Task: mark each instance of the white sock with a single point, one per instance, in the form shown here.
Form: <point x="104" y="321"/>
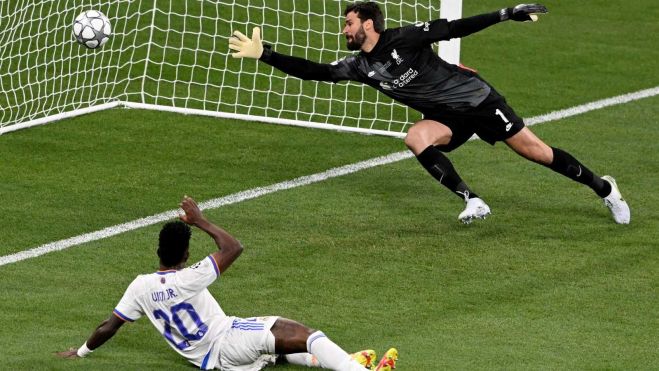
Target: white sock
<point x="331" y="355"/>
<point x="302" y="359"/>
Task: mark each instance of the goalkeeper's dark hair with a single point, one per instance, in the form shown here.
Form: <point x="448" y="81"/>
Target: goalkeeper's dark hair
<point x="173" y="242"/>
<point x="368" y="10"/>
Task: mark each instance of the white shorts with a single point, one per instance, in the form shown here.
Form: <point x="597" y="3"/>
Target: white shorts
<point x="248" y="345"/>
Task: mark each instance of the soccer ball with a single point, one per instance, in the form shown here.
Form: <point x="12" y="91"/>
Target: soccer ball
<point x="92" y="29"/>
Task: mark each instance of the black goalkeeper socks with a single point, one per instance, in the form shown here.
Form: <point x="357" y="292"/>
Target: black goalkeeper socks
<point x="567" y="165"/>
<point x="440" y="167"/>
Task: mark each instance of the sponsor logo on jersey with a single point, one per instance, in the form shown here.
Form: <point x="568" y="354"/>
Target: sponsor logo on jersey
<point x="405" y="78"/>
<point x="401" y="81"/>
<point x="425" y="25"/>
<point x="510" y="125"/>
<point x="396" y="57"/>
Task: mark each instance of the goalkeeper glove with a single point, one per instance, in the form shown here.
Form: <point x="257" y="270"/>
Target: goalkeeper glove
<point x="245" y="47"/>
<point x="523" y="12"/>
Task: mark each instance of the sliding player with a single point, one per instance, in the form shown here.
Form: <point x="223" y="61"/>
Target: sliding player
<point x="177" y="302"/>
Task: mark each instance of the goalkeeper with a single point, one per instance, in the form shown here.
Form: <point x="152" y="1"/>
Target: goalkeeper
<point x="454" y="100"/>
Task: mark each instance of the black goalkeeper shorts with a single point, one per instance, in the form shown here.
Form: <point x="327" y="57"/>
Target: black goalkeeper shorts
<point x="492" y="120"/>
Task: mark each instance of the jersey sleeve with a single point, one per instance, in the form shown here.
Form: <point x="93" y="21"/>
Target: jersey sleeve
<point x="128" y="308"/>
<point x="197" y="277"/>
<point x="307" y="70"/>
<point x="423" y="33"/>
<point x="345" y="69"/>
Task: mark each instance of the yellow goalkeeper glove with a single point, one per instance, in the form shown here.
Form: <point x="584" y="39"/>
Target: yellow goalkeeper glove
<point x="245" y="47"/>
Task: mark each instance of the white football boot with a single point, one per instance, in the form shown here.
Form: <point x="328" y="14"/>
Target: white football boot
<point x="475" y="209"/>
<point x="615" y="203"/>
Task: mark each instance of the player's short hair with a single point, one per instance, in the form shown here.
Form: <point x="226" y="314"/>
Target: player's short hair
<point x="173" y="242"/>
<point x="368" y="10"/>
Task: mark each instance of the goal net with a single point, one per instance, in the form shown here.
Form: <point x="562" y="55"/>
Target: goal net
<point x="172" y="55"/>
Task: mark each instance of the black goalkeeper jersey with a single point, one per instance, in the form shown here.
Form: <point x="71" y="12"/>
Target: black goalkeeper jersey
<point x="404" y="66"/>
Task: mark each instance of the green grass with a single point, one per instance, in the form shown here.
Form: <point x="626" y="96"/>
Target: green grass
<point x="376" y="258"/>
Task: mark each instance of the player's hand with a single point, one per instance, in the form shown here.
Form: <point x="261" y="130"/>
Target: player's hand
<point x="245" y="47"/>
<point x="70" y="354"/>
<point x="192" y="214"/>
<point x="523" y="12"/>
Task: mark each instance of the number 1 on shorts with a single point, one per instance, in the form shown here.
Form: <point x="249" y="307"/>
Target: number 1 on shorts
<point x="500" y="114"/>
<point x="504" y="118"/>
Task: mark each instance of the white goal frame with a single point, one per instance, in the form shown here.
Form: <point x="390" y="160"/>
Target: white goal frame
<point x="450" y="51"/>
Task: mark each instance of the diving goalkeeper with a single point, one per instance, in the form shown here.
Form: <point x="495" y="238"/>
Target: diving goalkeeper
<point x="454" y="100"/>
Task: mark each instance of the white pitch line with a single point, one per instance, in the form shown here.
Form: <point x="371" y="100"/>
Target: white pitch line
<point x="210" y="204"/>
<point x="592" y="106"/>
<point x="297" y="182"/>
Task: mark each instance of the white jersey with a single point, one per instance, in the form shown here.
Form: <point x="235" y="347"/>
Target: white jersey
<point x="181" y="308"/>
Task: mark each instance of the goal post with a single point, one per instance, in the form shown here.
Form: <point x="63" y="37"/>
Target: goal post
<point x="450" y="50"/>
<point x="172" y="55"/>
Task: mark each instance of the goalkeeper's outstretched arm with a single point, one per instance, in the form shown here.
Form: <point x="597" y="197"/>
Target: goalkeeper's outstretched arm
<point x="294" y="66"/>
<point x="253" y="47"/>
<point x="469" y="25"/>
<point x="298" y="67"/>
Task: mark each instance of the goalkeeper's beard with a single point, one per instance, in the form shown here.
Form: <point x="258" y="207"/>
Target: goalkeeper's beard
<point x="357" y="41"/>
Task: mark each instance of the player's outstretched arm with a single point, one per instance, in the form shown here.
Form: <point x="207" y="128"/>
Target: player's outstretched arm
<point x="299" y="67"/>
<point x="469" y="25"/>
<point x="229" y="247"/>
<point x="104" y="332"/>
<point x="523" y="12"/>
